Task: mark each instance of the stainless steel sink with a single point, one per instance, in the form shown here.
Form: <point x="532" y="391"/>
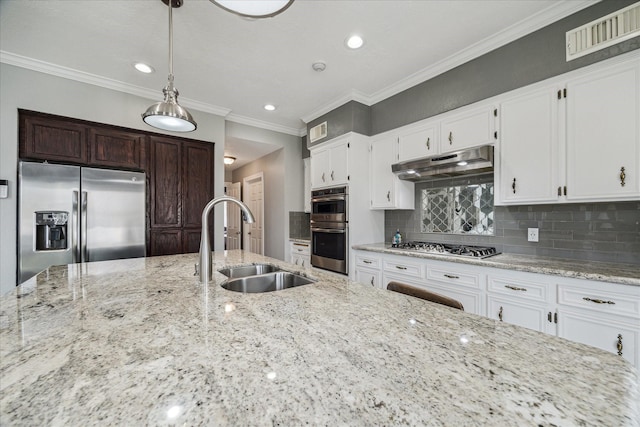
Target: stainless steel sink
<point x="248" y="270"/>
<point x="266" y="282"/>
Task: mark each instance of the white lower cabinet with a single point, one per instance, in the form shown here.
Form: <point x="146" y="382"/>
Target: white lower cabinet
<point x="522" y="299"/>
<point x="368" y="269"/>
<point x="600" y="314"/>
<point x="300" y="253"/>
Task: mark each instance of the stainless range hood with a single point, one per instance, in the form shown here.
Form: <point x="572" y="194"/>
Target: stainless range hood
<point x="470" y="161"/>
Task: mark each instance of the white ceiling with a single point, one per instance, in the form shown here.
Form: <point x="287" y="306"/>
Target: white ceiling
<point x="232" y="66"/>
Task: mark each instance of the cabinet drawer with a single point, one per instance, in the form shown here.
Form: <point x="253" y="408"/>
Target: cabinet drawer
<point x="413" y="269"/>
<point x="601" y="300"/>
<point x="300" y="248"/>
<point x="518" y="288"/>
<point x="367" y="261"/>
<point x="453" y="276"/>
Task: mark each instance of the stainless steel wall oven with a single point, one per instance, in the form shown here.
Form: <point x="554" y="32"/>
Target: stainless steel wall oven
<point x="330" y="229"/>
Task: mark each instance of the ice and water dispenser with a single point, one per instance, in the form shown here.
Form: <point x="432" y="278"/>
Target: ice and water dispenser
<point x="51" y="230"/>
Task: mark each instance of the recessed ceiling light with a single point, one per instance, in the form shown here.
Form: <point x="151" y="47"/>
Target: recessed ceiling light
<point x="355" y="42"/>
<point x="143" y="68"/>
<point x="270" y="107"/>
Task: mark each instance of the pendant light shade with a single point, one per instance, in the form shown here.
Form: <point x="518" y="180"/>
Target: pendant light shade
<point x="168" y="114"/>
<point x="254" y="8"/>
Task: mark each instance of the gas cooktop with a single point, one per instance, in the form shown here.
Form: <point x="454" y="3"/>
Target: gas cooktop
<point x="448" y="249"/>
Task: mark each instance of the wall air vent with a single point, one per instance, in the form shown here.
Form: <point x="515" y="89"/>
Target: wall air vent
<point x="603" y="32"/>
<point x="318" y="132"/>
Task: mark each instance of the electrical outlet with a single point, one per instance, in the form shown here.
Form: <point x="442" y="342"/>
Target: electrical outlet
<point x="532" y="235"/>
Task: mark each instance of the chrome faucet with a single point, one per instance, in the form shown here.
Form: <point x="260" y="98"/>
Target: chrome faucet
<point x="206" y="274"/>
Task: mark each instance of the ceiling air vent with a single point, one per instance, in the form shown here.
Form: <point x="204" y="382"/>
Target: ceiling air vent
<point x="603" y="32"/>
<point x="318" y="132"/>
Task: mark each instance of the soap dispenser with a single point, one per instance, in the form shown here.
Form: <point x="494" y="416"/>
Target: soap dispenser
<point x="397" y="238"/>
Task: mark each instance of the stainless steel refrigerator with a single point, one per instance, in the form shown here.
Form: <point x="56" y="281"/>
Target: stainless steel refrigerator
<point x="70" y="214"/>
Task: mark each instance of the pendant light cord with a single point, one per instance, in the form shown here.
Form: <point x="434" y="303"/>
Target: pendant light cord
<point x="170" y="3"/>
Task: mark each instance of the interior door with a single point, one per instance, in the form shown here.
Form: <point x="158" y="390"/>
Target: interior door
<point x="254" y="198"/>
<point x="234" y="221"/>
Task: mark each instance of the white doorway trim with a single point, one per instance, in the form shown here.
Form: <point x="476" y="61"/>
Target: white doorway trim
<point x="233" y="221"/>
<point x="253" y="197"/>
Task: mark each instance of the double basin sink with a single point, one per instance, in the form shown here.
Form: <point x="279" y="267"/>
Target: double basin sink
<point x="256" y="278"/>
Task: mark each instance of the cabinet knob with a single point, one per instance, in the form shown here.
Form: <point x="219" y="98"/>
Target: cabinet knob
<point x="513" y="186"/>
<point x="622" y="176"/>
<point x="619" y="345"/>
<point x="450" y="138"/>
<point x="500" y="314"/>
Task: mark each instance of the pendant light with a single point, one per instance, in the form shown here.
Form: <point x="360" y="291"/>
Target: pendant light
<point x="254" y="8"/>
<point x="168" y="114"/>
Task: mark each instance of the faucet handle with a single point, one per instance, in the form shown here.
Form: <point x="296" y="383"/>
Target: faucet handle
<point x="196" y="266"/>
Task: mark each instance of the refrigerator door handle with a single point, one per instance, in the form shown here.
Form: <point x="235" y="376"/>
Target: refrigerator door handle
<point x="75" y="248"/>
<point x="83" y="233"/>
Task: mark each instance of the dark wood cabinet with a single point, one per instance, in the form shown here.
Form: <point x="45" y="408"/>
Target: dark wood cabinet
<point x="165" y="182"/>
<point x="122" y="149"/>
<point x="181" y="184"/>
<point x="45" y="137"/>
<point x="179" y="170"/>
<point x="62" y="139"/>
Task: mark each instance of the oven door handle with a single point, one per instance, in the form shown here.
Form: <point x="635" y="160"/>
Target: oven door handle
<point x="328" y="230"/>
<point x="328" y="199"/>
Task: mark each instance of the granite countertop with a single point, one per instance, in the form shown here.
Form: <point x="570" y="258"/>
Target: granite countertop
<point x="140" y="341"/>
<point x="300" y="240"/>
<point x="606" y="272"/>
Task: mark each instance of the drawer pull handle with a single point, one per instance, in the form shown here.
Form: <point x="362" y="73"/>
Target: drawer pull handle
<point x="515" y="288"/>
<point x="549" y="318"/>
<point x="451" y="276"/>
<point x="399" y="267"/>
<point x="428" y="143"/>
<point x="598" y="301"/>
<point x="619" y="345"/>
<point x="372" y="284"/>
<point x="513" y="186"/>
<point x="367" y="262"/>
<point x="450" y="138"/>
<point x="622" y="176"/>
<point x="500" y="314"/>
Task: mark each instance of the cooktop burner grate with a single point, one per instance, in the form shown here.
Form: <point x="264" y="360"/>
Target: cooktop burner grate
<point x="448" y="249"/>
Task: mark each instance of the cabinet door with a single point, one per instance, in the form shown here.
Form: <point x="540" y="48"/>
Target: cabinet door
<point x="339" y="170"/>
<point x="165" y="185"/>
<point x="49" y="138"/>
<point x="529" y="148"/>
<point x="165" y="242"/>
<point x="197" y="181"/>
<point x="519" y="312"/>
<point x="468" y="129"/>
<point x="368" y="277"/>
<point x="417" y="143"/>
<point x="603" y="135"/>
<point x="110" y="147"/>
<point x="611" y="333"/>
<point x="319" y="168"/>
<point x="382" y="155"/>
<point x="307" y="185"/>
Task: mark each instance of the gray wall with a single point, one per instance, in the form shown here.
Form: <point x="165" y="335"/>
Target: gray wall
<point x="350" y="117"/>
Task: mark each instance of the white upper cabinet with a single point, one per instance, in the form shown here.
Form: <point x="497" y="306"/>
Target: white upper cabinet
<point x="574" y="141"/>
<point x="528" y="149"/>
<point x="387" y="191"/>
<point x="307" y="184"/>
<point x="330" y="164"/>
<point x="603" y="135"/>
<point x="468" y="128"/>
<point x="418" y="142"/>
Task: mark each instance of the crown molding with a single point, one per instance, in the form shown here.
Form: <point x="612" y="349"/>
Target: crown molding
<point x="95" y="80"/>
<point x="354" y="95"/>
<point x="266" y="125"/>
<point x="520" y="29"/>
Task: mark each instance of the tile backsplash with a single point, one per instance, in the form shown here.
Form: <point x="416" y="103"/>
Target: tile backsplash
<point x="299" y="226"/>
<point x="606" y="232"/>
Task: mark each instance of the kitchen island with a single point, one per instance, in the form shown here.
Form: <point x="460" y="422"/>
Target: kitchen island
<point x="140" y="341"/>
